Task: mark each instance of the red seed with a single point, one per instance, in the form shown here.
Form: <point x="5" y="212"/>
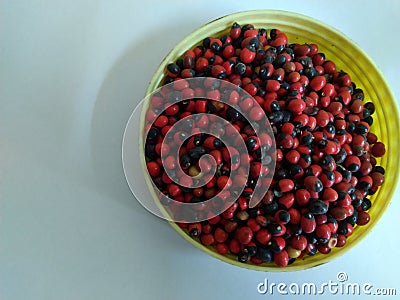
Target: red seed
<point x="220" y="235"/>
<point x="322" y="118"/>
<point x="207" y="239"/>
<point x="234" y="246"/>
<point x="272" y="85"/>
<point x="247" y="55"/>
<point x="263" y="236"/>
<point x="281" y="258"/>
<point x="378" y="149"/>
<point x="363" y="218"/>
<point x="329" y="67"/>
<point x="257" y="113"/>
<point x="377" y="178"/>
<point x="222" y="249"/>
<point x="338" y="213"/>
<point x="286" y="185"/>
<point x="286" y="200"/>
<point x="318" y="82"/>
<point x="296" y="106"/>
<point x="308" y="223"/>
<point x="341" y="240"/>
<point x="244" y="235"/>
<point x="224" y="182"/>
<point x="323" y="231"/>
<point x="153" y="168"/>
<point x="330" y="195"/>
<point x="298" y="242"/>
<point x="357" y="106"/>
<point x="302" y="197"/>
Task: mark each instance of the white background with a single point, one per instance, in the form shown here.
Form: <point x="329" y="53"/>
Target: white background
<point x="70" y="75"/>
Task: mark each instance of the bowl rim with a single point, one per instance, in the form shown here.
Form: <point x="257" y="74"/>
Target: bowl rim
<point x="160" y="72"/>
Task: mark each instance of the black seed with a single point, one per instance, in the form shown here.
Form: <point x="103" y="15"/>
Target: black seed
<point x="307" y="139"/>
<point x="275" y="106"/>
<point x="273" y="246"/>
<point x="318" y="207"/>
<point x="253" y="212"/>
<point x="194" y="233"/>
<point x="361" y="129"/>
<point x="185" y="161"/>
<point x="285" y="85"/>
<point x="366" y="204"/>
<point x="310" y="72"/>
<point x="356" y="202"/>
<point x="342" y="227"/>
<point x="268" y="59"/>
<point x="206" y="42"/>
<point x="370" y="106"/>
<point x="379" y="169"/>
<point x="364" y="185"/>
<point x="232" y="114"/>
<point x="330" y="129"/>
<point x="284" y="216"/>
<point x="318" y="186"/>
<point x="353" y="167"/>
<point x="179" y="62"/>
<point x="270" y="209"/>
<point x="311" y="238"/>
<point x="264" y="254"/>
<point x="243" y="257"/>
<point x="295" y="170"/>
<point x="282" y="173"/>
<point x="353" y="218"/>
<point x="217" y="143"/>
<point x="215" y="47"/>
<point x="150" y="151"/>
<point x="369" y="120"/>
<point x="250" y="250"/>
<point x="274" y="228"/>
<point x="340" y="157"/>
<point x="279" y="61"/>
<point x="287" y="116"/>
<point x="275" y="117"/>
<point x="351" y="127"/>
<point x="173" y="68"/>
<point x="207" y="71"/>
<point x="366" y="113"/>
<point x="326" y="160"/>
<point x="251" y="143"/>
<point x="322" y="144"/>
<point x="152" y="136"/>
<point x="305" y="61"/>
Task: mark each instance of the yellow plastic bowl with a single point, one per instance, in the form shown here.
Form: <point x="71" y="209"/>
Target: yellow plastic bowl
<point x="348" y="57"/>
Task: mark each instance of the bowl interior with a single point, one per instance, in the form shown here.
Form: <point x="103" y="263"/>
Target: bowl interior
<point x="347" y="57"/>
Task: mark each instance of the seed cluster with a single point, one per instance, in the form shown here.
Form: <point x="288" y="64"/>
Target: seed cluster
<point x="325" y="153"/>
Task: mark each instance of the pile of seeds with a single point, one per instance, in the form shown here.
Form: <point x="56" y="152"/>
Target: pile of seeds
<point x="325" y="153"/>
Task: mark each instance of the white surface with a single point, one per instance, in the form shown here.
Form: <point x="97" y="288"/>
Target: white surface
<point x="70" y="74"/>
